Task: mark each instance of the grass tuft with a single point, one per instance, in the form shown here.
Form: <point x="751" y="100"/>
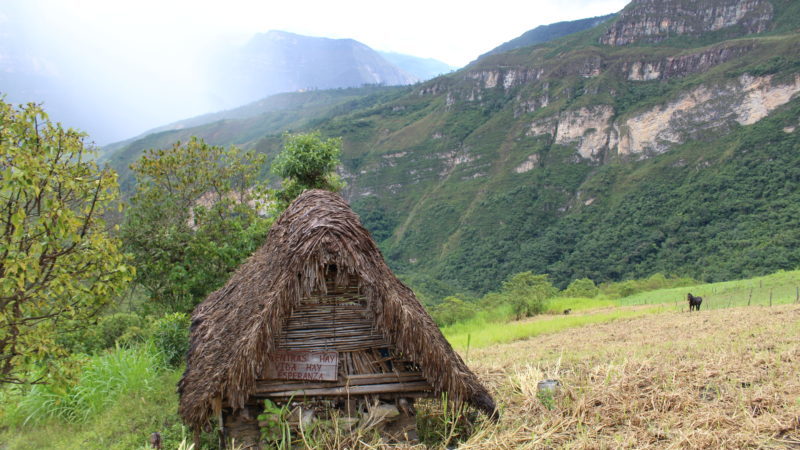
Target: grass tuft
<point x="103" y="379"/>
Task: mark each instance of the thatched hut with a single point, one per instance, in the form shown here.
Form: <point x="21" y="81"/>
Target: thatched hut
<point x="315" y="313"/>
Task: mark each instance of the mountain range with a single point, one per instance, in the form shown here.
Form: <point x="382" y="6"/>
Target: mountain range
<point x="665" y="139"/>
<point x="278" y="61"/>
<point x="88" y="91"/>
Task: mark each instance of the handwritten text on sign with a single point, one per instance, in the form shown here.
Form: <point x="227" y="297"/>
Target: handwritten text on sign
<point x="297" y="365"/>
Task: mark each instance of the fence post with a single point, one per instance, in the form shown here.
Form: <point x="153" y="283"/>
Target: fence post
<point x="750" y="297"/>
<point x="797" y="295"/>
<point x="770" y="297"/>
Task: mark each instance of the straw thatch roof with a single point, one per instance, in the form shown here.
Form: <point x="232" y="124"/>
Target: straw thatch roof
<point x="236" y="327"/>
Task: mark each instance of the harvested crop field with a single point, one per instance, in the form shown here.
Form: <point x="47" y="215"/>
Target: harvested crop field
<point x="714" y="379"/>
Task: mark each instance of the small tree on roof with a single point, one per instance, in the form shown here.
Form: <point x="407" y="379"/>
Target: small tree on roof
<point x="307" y="162"/>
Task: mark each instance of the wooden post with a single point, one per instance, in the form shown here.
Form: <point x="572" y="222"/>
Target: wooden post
<point x="797" y="295"/>
<point x="750" y="297"/>
<point x="770" y="297"/>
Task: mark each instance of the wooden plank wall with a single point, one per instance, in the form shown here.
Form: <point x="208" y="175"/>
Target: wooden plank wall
<point x="340" y="320"/>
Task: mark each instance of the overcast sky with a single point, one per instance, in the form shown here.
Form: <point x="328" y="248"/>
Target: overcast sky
<point x="165" y="40"/>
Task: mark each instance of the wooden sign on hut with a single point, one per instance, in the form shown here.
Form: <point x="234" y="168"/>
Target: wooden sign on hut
<point x="316" y="316"/>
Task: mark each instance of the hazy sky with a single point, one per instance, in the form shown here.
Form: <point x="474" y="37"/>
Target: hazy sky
<point x="156" y="45"/>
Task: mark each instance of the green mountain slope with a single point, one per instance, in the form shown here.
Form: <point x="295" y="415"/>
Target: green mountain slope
<point x="586" y="157"/>
<point x="546" y="33"/>
<point x="247" y="124"/>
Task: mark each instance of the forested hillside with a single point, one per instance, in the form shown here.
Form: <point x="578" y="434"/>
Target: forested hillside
<point x="660" y="141"/>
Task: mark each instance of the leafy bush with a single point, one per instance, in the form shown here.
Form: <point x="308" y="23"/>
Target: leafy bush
<point x="170" y="335"/>
<point x="452" y="310"/>
<point x="121" y="328"/>
<point x="111" y="328"/>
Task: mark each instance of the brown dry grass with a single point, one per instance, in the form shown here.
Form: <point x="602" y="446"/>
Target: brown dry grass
<point x="714" y="379"/>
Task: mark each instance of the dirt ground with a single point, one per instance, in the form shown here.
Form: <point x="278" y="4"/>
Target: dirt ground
<point x="714" y="379"/>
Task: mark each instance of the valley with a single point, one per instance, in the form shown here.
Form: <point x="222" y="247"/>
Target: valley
<point x="594" y="155"/>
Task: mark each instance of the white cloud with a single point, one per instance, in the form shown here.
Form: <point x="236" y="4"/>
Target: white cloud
<point x="144" y="55"/>
<point x="452" y="31"/>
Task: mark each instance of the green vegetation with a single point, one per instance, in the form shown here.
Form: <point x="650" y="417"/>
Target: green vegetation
<point x="778" y="288"/>
<point x="125" y="423"/>
<point x="103" y="379"/>
<point x="487" y="220"/>
<point x="486" y="327"/>
<point x="307" y="162"/>
<point x="525" y="295"/>
<point x="170" y="337"/>
<point x="435" y="170"/>
<point x="480" y="335"/>
<point x="547" y="33"/>
<point x="117" y="397"/>
<point x="194" y="218"/>
<point x="57" y="263"/>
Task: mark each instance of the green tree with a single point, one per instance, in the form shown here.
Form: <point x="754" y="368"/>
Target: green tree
<point x="527" y="293"/>
<point x="57" y="262"/>
<point x="307" y="162"/>
<point x="452" y="310"/>
<point x="194" y="218"/>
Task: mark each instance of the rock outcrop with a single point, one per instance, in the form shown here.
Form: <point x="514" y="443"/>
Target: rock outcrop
<point x="657" y="20"/>
<point x="594" y="130"/>
<point x="682" y="65"/>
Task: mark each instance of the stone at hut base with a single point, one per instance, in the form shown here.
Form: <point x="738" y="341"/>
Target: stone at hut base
<point x="402" y="429"/>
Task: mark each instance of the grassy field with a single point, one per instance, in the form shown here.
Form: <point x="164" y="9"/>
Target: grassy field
<point x="125" y="424"/>
<point x="489" y="328"/>
<point x="637" y="372"/>
<point x="783" y="287"/>
<point x="488" y="334"/>
<point x="714" y="379"/>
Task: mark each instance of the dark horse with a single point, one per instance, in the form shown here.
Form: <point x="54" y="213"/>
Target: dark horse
<point x="694" y="302"/>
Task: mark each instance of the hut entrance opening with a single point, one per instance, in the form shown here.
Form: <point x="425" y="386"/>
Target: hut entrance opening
<point x="332" y="360"/>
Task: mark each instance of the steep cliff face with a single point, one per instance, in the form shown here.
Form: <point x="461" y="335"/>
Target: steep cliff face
<point x="595" y="131"/>
<point x="657" y="20"/>
<point x="745" y="101"/>
<point x="669" y="67"/>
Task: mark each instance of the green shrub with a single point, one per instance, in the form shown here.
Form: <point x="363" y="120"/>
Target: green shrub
<point x="170" y="335"/>
<point x="132" y="336"/>
<point x="112" y="327"/>
<point x="581" y="288"/>
<point x="105" y="334"/>
<point x="452" y="310"/>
